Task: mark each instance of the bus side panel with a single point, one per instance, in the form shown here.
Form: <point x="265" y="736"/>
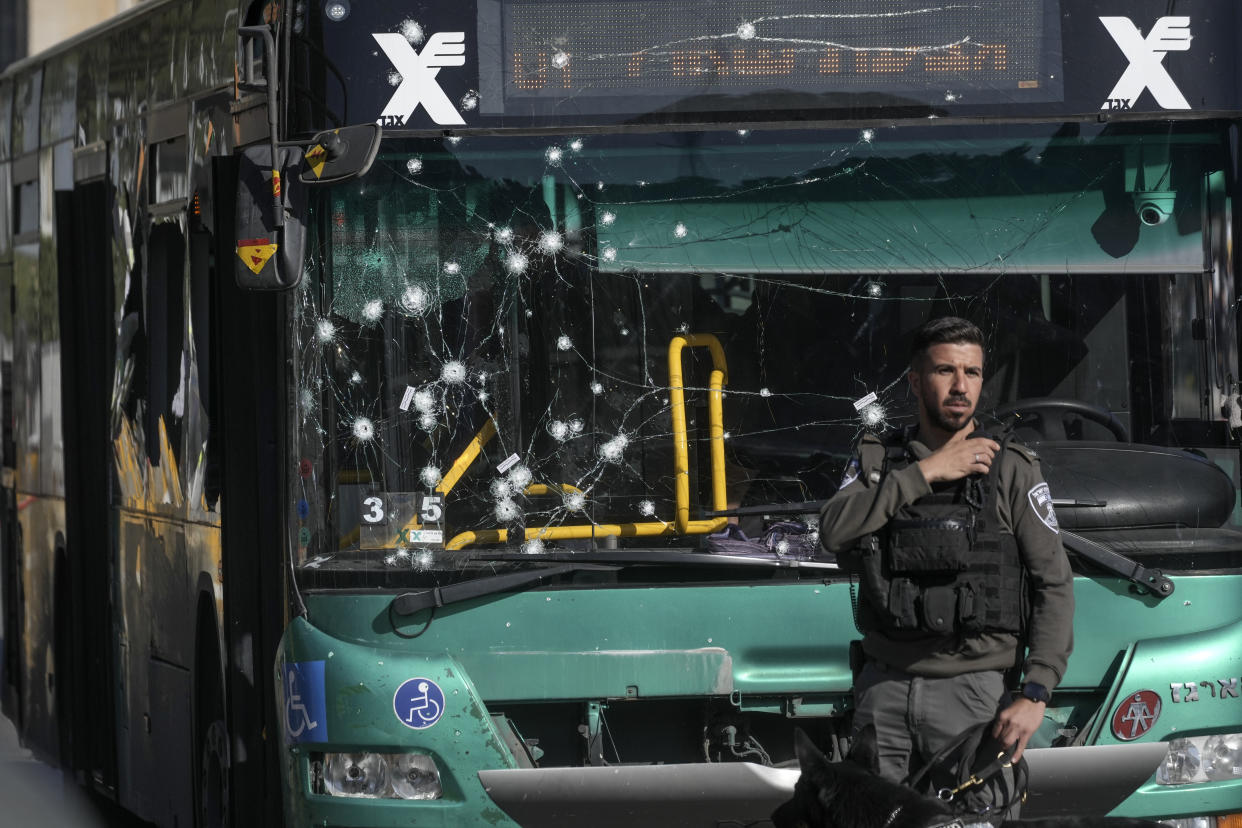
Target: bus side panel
<point x="155" y="586"/>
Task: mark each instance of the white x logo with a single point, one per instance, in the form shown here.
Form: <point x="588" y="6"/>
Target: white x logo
<point x="1146" y="56"/>
<point x="418" y="76"/>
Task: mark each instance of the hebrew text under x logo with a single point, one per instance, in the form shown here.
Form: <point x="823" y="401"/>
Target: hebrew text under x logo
<point x="418" y="75"/>
<point x="1146" y="70"/>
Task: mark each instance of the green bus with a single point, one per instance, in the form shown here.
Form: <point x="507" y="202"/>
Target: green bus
<point x="419" y="413"/>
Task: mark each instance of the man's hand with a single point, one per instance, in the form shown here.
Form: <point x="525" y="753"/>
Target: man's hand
<point x="958" y="459"/>
<point x="1017" y="723"/>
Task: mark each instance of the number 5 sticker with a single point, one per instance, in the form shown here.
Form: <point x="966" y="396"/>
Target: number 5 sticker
<point x="431" y="509"/>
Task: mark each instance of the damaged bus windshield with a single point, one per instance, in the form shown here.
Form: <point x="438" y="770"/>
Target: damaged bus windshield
<point x="579" y="343"/>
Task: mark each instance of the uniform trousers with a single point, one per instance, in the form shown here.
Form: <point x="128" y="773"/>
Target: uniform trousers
<point x="916" y="716"/>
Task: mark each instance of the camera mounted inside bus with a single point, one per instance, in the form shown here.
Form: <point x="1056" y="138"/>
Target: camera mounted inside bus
<point x="1155" y="208"/>
<point x="1149" y="174"/>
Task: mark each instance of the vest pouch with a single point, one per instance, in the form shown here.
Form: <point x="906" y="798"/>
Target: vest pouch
<point x="940" y="609"/>
<point x="938" y="545"/>
<point x="969" y="607"/>
<point x="903" y="597"/>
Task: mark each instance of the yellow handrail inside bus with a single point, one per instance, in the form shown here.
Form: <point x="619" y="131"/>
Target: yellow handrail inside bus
<point x="538" y="489"/>
<point x="467" y="457"/>
<point x="460" y="466"/>
<point x="568" y="532"/>
<point x="715" y="420"/>
<point x="681" y="464"/>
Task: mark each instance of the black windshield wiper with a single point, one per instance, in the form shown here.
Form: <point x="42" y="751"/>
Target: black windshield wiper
<point x="664" y="557"/>
<point x="805" y="508"/>
<point x="604" y="560"/>
<point x="409" y="603"/>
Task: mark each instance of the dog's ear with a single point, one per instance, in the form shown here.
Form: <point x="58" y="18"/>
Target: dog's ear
<point x="804" y="809"/>
<point x="863" y="751"/>
<point x="809" y="756"/>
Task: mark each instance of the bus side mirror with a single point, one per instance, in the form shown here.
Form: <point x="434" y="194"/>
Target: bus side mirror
<point x="271" y="236"/>
<point x="338" y="155"/>
<point x="271" y="206"/>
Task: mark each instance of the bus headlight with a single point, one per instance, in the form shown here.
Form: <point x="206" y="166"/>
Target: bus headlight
<point x="355" y="774"/>
<point x="375" y="775"/>
<point x="414" y="776"/>
<point x="1212" y="758"/>
<point x="1222" y="756"/>
<point x="1191" y="822"/>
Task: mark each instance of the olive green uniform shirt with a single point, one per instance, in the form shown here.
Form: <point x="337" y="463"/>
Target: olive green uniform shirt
<point x="868" y="499"/>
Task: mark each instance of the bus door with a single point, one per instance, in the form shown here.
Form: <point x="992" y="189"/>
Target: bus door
<point x="84" y="272"/>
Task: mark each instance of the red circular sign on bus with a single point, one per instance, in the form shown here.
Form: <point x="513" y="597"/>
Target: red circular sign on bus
<point x="1136" y="714"/>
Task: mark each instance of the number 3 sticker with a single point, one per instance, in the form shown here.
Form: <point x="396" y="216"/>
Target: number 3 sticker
<point x="375" y="509"/>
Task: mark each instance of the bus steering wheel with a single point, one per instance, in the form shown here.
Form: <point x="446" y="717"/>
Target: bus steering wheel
<point x="1048" y="416"/>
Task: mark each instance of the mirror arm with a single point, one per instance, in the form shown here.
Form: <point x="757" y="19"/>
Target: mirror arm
<point x="249" y="34"/>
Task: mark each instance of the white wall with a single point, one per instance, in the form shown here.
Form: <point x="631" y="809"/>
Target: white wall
<point x="51" y="22"/>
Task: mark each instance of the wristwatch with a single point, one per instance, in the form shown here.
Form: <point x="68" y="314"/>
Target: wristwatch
<point x="1036" y="692"/>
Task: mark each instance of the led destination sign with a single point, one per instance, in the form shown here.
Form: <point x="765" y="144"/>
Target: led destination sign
<point x="925" y="53"/>
<point x="497" y="64"/>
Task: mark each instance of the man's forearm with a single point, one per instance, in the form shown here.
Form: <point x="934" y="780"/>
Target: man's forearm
<point x="1051" y="637"/>
<point x="860" y="509"/>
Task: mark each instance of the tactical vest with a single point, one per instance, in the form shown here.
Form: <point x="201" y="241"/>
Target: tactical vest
<point x="942" y="565"/>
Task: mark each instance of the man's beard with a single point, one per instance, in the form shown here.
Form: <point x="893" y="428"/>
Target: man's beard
<point x="939" y="420"/>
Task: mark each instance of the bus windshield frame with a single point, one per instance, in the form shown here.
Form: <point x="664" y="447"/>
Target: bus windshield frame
<point x="567" y="344"/>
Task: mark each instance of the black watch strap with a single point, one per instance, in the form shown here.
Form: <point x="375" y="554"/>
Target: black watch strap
<point x="1036" y="692"/>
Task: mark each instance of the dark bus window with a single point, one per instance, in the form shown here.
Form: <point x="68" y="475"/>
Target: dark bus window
<point x="59" y="102"/>
<point x="169" y="177"/>
<point x="26" y="108"/>
<point x="6" y="210"/>
<point x="27" y="198"/>
<point x="8" y="449"/>
<point x="27" y="365"/>
<point x="165" y="327"/>
<point x="6" y="118"/>
<point x="93" y="95"/>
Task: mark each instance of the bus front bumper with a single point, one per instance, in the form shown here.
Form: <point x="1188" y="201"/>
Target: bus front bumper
<point x="1064" y="781"/>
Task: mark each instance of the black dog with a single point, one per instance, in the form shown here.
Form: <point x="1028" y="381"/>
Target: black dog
<point x="849" y="795"/>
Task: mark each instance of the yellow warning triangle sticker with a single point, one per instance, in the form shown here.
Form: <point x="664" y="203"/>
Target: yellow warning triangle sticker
<point x="316" y="157"/>
<point x="255" y="253"/>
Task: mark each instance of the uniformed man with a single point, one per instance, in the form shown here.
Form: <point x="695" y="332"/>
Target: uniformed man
<point x="961" y="574"/>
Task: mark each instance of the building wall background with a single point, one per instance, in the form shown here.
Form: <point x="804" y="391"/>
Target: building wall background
<point x="30" y="26"/>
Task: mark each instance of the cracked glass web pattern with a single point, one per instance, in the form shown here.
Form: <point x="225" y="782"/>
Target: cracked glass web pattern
<point x="588" y="341"/>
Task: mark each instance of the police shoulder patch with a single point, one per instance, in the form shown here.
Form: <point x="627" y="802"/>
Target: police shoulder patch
<point x="1040" y="497"/>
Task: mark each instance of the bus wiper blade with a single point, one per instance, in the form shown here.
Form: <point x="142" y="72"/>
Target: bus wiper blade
<point x="1151" y="579"/>
<point x="665" y="557"/>
<point x="804" y="508"/>
<point x="409" y="603"/>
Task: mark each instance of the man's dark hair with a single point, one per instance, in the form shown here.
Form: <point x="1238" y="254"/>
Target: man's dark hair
<point x="952" y="330"/>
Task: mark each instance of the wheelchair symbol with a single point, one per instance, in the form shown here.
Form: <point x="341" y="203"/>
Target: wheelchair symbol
<point x="418" y="703"/>
<point x="293" y="704"/>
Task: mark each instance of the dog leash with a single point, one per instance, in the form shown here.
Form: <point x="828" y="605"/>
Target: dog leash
<point x="1003" y="760"/>
<point x="978" y="777"/>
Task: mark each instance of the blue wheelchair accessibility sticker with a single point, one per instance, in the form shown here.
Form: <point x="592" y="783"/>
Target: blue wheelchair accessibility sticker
<point x="305" y="709"/>
<point x="418" y="703"/>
